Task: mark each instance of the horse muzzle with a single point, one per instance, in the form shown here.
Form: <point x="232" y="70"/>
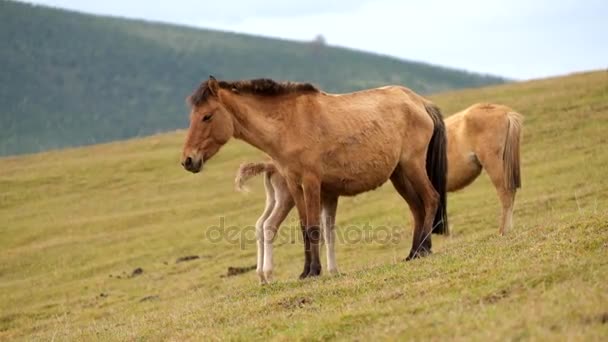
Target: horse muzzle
<point x="194" y="165"/>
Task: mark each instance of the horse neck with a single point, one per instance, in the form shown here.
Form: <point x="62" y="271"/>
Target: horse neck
<point x="257" y="120"/>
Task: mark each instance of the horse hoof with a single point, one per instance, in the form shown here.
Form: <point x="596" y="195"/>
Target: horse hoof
<point x="419" y="254"/>
<point x="305" y="272"/>
<point x="267" y="277"/>
<point x="313" y="274"/>
<point x="315" y="270"/>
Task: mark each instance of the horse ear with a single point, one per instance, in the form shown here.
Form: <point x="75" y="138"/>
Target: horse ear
<point x="213" y="85"/>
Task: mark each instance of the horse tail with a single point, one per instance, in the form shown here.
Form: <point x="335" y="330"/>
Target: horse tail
<point x="437" y="167"/>
<point x="249" y="170"/>
<point x="510" y="155"/>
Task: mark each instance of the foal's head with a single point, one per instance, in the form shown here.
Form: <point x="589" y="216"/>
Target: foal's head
<point x="211" y="126"/>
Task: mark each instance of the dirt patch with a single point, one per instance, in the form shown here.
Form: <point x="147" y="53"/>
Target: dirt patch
<point x="234" y="271"/>
<point x="295" y="303"/>
<point x="495" y="297"/>
<point x="187" y="258"/>
<point x="136" y="272"/>
<point x="149" y="298"/>
<point x="597" y="319"/>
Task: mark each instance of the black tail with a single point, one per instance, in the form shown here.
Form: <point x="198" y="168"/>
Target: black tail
<point x="437" y="168"/>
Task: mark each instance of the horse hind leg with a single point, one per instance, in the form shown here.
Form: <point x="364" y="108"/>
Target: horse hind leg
<point x="492" y="163"/>
<point x="407" y="192"/>
<point x="414" y="170"/>
<point x="507" y="199"/>
<point x="416" y="174"/>
<point x="328" y="213"/>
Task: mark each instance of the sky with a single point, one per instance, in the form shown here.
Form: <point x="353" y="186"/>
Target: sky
<point x="518" y="39"/>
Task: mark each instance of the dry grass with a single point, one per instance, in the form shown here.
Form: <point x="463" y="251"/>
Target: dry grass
<point x="74" y="225"/>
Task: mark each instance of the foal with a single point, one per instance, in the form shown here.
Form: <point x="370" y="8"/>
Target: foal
<point x="482" y="136"/>
<point x="278" y="205"/>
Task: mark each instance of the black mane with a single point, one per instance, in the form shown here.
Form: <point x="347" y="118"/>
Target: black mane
<point x="261" y="86"/>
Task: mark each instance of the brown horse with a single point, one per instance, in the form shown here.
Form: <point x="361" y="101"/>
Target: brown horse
<point x="486" y="136"/>
<point x="329" y="145"/>
<point x="482" y="136"/>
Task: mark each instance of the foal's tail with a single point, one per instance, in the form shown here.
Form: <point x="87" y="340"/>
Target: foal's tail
<point x="510" y="155"/>
<point x="437" y="167"/>
<point x="249" y="170"/>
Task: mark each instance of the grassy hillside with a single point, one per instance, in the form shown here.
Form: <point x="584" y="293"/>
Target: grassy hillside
<point x="75" y="224"/>
<point x="71" y="79"/>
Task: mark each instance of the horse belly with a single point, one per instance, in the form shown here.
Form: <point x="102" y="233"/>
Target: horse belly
<point x="358" y="170"/>
<point x="463" y="163"/>
<point x="462" y="171"/>
<point x="360" y="153"/>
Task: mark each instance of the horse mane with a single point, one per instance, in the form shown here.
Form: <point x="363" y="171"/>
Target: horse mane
<point x="260" y="86"/>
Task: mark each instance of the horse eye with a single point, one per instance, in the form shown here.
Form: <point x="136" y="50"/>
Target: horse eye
<point x="207" y="117"/>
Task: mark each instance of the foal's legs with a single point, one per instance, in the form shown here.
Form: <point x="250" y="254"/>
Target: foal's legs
<point x="259" y="225"/>
<point x="284" y="204"/>
<point x="415" y="172"/>
<point x="329" y="207"/>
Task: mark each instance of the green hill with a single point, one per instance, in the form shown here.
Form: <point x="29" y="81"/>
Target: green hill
<point x="75" y="224"/>
<point x="69" y="79"/>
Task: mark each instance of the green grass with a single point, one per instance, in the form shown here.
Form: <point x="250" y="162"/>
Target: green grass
<point x="75" y="223"/>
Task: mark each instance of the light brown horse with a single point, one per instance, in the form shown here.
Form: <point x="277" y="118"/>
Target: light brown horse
<point x="482" y="136"/>
<point x="328" y="145"/>
<point x="486" y="136"/>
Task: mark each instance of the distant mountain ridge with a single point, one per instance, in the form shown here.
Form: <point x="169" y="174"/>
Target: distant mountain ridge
<point x="70" y="79"/>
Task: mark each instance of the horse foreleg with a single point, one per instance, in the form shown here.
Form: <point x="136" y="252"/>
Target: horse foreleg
<point x="298" y="198"/>
<point x="311" y="187"/>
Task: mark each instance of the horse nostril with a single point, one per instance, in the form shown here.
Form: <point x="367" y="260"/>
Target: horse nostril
<point x="188" y="162"/>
